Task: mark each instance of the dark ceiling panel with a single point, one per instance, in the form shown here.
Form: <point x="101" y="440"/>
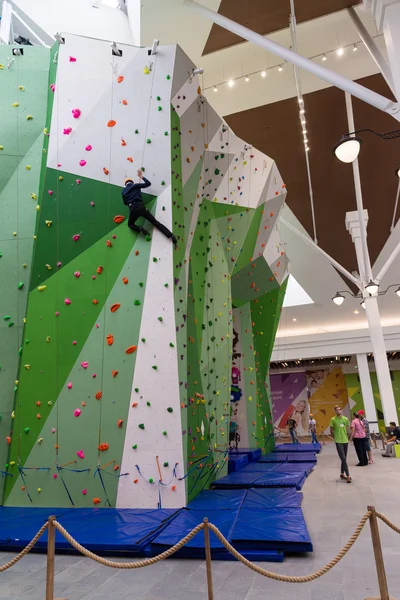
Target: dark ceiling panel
<point x="266" y="16"/>
<point x="275" y="129"/>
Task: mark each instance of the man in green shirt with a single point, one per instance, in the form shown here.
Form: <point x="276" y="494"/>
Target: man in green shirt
<point x="339" y="431"/>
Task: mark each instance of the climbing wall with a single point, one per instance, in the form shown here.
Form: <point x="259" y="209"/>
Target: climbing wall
<point x="23" y="101"/>
<point x="125" y="373"/>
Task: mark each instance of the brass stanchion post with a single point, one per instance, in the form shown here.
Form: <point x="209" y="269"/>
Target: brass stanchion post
<point x="380" y="565"/>
<point x="208" y="559"/>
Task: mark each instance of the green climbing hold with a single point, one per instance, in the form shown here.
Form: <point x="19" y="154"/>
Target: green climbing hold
<point x="27" y="341"/>
<point x="168" y="77"/>
<point x="159" y="108"/>
<point x="11" y="323"/>
<point x="158" y="98"/>
<point x="148" y="238"/>
<point x="160" y="319"/>
<point x="136" y="390"/>
<point x="164" y="433"/>
<point x="26" y="430"/>
<point x="7" y="318"/>
<point x="148" y="403"/>
<point x="20" y="351"/>
<point x="136" y="130"/>
<point x="141" y="426"/>
<point x="20" y="285"/>
<point x="171" y="345"/>
<point x="163" y="182"/>
<point x="141" y="283"/>
<point x="137" y="303"/>
<point x="166" y="464"/>
<point x="154" y="367"/>
<point x="170" y="409"/>
<point x="155" y="259"/>
<point x="216" y="172"/>
<point x="151" y="480"/>
<point x="165" y="284"/>
<point x="1" y="254"/>
<point x="134" y="447"/>
<point x="148" y="141"/>
<point x="166" y="133"/>
<point x="143" y="339"/>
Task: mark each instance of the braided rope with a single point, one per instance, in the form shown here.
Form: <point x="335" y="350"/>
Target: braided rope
<point x="289" y="578"/>
<point x="27" y="549"/>
<point x="387" y="522"/>
<point x="128" y="565"/>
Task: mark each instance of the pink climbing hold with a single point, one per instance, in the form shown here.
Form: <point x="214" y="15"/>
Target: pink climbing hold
<point x="69" y="386"/>
<point x="114" y="237"/>
<point x="84" y="365"/>
<point x="76" y="237"/>
<point x="92" y="204"/>
<point x="57" y="313"/>
<point x="72" y="59"/>
<point x="53" y="87"/>
<point x="94" y="375"/>
<point x="74" y="343"/>
<point x="81" y="454"/>
<point x="76" y="113"/>
<point x="78" y="181"/>
<point x="55" y="475"/>
<point x="67" y="301"/>
<point x="67" y="130"/>
<point x="97" y="325"/>
<point x="53" y="430"/>
<point x="50" y="192"/>
<point x="88" y="148"/>
<point x="59" y="264"/>
<point x="84" y="492"/>
<point x="77" y="274"/>
<point x="82" y="163"/>
<point x="93" y="276"/>
<point x="77" y="412"/>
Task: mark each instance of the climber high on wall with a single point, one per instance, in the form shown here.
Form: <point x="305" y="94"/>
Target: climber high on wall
<point x="132" y="196"/>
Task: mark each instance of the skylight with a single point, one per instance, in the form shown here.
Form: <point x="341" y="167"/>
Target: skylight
<point x="295" y="294"/>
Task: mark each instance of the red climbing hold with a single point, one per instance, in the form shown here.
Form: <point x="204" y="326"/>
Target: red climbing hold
<point x="115" y="307"/>
<point x="120" y="79"/>
<point x="118" y="219"/>
<point x="120" y="423"/>
<point x="131" y="350"/>
<point x="114" y="373"/>
<point x="125" y="280"/>
<point x="111" y="123"/>
<point x="110" y="339"/>
<point x="99" y="395"/>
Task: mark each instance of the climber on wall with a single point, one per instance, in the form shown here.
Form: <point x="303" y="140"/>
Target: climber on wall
<point x="132" y="196"/>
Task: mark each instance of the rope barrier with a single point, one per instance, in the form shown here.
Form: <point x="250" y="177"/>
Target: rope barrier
<point x="150" y="561"/>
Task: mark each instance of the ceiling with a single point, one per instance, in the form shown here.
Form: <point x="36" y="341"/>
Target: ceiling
<point x="267" y="16"/>
<point x="275" y="129"/>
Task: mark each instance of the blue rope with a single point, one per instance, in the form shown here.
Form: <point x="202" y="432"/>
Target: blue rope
<point x="59" y="469"/>
<point x="98" y="471"/>
<point x="4" y="473"/>
<point x="22" y="474"/>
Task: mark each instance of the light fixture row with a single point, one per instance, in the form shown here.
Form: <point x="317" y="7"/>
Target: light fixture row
<point x="263" y="73"/>
<point x="372" y="288"/>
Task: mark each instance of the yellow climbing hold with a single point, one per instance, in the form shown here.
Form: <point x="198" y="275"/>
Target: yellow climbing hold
<point x="13" y="414"/>
<point x="48" y="267"/>
<point x="14" y="233"/>
<point x="41" y="288"/>
<point x="49" y="223"/>
<point x="33" y="196"/>
<point x="15" y="104"/>
<point x="28" y="167"/>
<point x="60" y="178"/>
<point x="1" y="147"/>
<point x="146" y="70"/>
<point x="37" y="208"/>
<point x="40" y="440"/>
<point x="39" y="490"/>
<point x="21" y="88"/>
<point x="29" y="118"/>
<point x="27" y="367"/>
<point x="1" y="67"/>
<point x="24" y="265"/>
<point x="45" y="131"/>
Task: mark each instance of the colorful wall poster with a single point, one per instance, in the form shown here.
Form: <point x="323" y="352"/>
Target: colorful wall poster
<point x="325" y="389"/>
<point x="289" y="401"/>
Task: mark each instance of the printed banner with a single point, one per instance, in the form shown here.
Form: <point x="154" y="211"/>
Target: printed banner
<point x="289" y="401"/>
<point x="325" y="389"/>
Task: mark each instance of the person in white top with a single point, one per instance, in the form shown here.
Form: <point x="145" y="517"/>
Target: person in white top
<point x="312" y="428"/>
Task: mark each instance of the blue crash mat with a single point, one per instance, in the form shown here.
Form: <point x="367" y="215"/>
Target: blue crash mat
<point x="275" y="479"/>
<point x="240" y="479"/>
<point x="259" y="467"/>
<point x="283" y="529"/>
<point x="291" y="457"/>
<point x="298" y="448"/>
<point x="303" y="468"/>
<point x="252" y="453"/>
<point x="264" y="498"/>
<point x="105" y="530"/>
<point x="217" y="500"/>
<point x="236" y="462"/>
<point x="185" y="522"/>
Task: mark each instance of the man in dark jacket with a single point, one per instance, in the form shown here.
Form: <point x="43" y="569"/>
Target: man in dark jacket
<point x="132" y="197"/>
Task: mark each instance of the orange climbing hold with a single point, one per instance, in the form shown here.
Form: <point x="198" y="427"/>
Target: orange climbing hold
<point x="99" y="270"/>
<point x="8" y="440"/>
<point x="124" y="102"/>
<point x="125" y="280"/>
<point x="116" y="467"/>
<point x="173" y="488"/>
<point x="105" y="171"/>
<point x="103" y="447"/>
<point x="135" y="480"/>
<point x="114" y="373"/>
<point x="131" y="350"/>
<point x="96" y="500"/>
<point x="111" y="123"/>
<point x="199" y="90"/>
<point x="115" y="307"/>
<point x="99" y="395"/>
<point x="108" y="244"/>
<point x="83" y="403"/>
<point x="120" y="79"/>
<point x="136" y="252"/>
<point x="110" y="339"/>
<point x="118" y="219"/>
<point x="134" y="405"/>
<point x="95" y="301"/>
<point x="120" y="423"/>
<point x="123" y="142"/>
<point x="130" y="159"/>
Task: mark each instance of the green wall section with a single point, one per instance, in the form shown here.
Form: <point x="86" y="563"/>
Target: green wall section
<point x="23" y="81"/>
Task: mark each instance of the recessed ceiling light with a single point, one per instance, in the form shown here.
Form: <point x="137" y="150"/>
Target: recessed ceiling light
<point x="356" y="312"/>
<point x="340" y="51"/>
<point x="263" y="73"/>
<point x="231" y="83"/>
<point x="294" y="319"/>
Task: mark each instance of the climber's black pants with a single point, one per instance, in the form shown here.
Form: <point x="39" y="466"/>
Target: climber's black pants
<point x="139" y="210"/>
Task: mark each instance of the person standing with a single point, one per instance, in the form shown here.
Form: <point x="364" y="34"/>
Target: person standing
<point x="367" y="436"/>
<point x="312" y="428"/>
<point x="292" y="424"/>
<point x="358" y="437"/>
<point x="339" y="426"/>
<point x="394" y="432"/>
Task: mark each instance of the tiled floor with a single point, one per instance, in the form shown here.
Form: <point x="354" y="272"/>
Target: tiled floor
<point x="332" y="510"/>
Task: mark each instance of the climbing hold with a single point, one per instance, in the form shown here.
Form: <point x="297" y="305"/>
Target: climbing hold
<point x="110" y="339"/>
<point x="172" y="345"/>
<point x="99" y="270"/>
<point x="84" y="492"/>
<point x="115" y="307"/>
<point x="164" y="433"/>
<point x="15" y="104"/>
<point x="81" y="454"/>
<point x="143" y="340"/>
<point x="148" y="141"/>
<point x="76" y="113"/>
<point x="26" y="430"/>
<point x="29" y="118"/>
<point x="125" y="280"/>
<point x="108" y="244"/>
<point x="94" y="301"/>
<point x="119" y="219"/>
<point x="21" y="88"/>
<point x="96" y="500"/>
<point x="134" y="447"/>
<point x="111" y="123"/>
<point x="114" y="373"/>
<point x="53" y="87"/>
<point x="77" y="412"/>
<point x="38" y="416"/>
<point x="67" y="301"/>
<point x="159" y="108"/>
<point x="124" y="102"/>
<point x="135" y="480"/>
<point x="151" y="480"/>
<point x="141" y="426"/>
<point x="166" y="464"/>
<point x="173" y="488"/>
<point x="61" y="178"/>
<point x="148" y="403"/>
<point x="41" y="288"/>
<point x="48" y="339"/>
<point x="154" y="367"/>
<point x="84" y="365"/>
<point x="98" y="395"/>
<point x="67" y="130"/>
<point x="103" y="447"/>
<point x="76" y="237"/>
<point x="170" y="410"/>
<point x="77" y="274"/>
<point x="39" y="490"/>
<point x="160" y="319"/>
<point x="72" y="59"/>
<point x="130" y="159"/>
<point x="137" y="302"/>
<point x="28" y="167"/>
<point x="120" y="79"/>
<point x="131" y="350"/>
<point x="123" y="142"/>
<point x="105" y="171"/>
<point x="20" y="285"/>
<point x="146" y="70"/>
<point x="82" y="163"/>
<point x="55" y="475"/>
<point x="120" y="423"/>
<point x="168" y="77"/>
